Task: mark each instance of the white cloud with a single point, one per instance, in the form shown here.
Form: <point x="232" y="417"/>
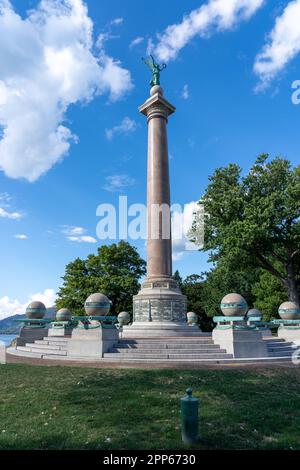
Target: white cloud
<point x="182" y="221"/>
<point x="115" y="183"/>
<point x="282" y="46"/>
<point x="21" y="236"/>
<point x="126" y="127"/>
<point x="48" y="64"/>
<point x="10" y="307"/>
<point x="83" y="239"/>
<point x="185" y="92"/>
<point x="136" y="41"/>
<point x="77" y="234"/>
<point x="117" y="21"/>
<point x="10" y="215"/>
<point x="214" y="16"/>
<point x="5" y="208"/>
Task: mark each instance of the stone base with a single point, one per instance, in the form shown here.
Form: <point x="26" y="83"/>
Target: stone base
<point x="2" y="353"/>
<point x="266" y="332"/>
<point x="30" y="335"/>
<point x="62" y="331"/>
<point x="159" y="330"/>
<point x="241" y="343"/>
<point x="92" y="342"/>
<point x="289" y="333"/>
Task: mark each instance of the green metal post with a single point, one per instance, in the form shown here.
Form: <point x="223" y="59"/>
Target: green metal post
<point x="189" y="418"/>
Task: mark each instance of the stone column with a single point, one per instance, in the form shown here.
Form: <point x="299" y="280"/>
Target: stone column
<point x="159" y="309"/>
<point x="159" y="245"/>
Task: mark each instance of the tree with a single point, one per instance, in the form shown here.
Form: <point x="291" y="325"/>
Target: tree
<point x="222" y="280"/>
<point x="254" y="220"/>
<point x="115" y="271"/>
<point x="192" y="287"/>
<point x="177" y="278"/>
<point x="269" y="294"/>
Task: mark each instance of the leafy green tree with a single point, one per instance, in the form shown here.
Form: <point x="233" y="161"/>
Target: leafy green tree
<point x="192" y="287"/>
<point x="269" y="294"/>
<point x="222" y="280"/>
<point x="254" y="220"/>
<point x="177" y="278"/>
<point x="115" y="271"/>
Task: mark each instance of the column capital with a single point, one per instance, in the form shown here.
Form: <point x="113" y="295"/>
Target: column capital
<point x="157" y="106"/>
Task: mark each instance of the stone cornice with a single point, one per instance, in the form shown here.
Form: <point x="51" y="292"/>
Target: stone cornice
<point x="157" y="106"/>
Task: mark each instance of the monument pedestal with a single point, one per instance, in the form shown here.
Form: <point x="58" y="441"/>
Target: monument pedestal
<point x="289" y="333"/>
<point x="159" y="309"/>
<point x="30" y="335"/>
<point x="241" y="343"/>
<point x="63" y="330"/>
<point x="92" y="342"/>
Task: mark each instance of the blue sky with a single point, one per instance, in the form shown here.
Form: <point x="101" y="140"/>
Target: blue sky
<point x="67" y="148"/>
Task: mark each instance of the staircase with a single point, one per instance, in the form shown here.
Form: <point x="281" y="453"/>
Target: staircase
<point x="199" y="349"/>
<point x="167" y="349"/>
<point x="48" y="348"/>
<point x="278" y="347"/>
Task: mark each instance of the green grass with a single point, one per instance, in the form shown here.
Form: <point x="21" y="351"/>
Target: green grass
<point x="77" y="408"/>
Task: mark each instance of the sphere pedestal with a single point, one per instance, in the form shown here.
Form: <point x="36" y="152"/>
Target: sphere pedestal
<point x="240" y="343"/>
<point x="290" y="333"/>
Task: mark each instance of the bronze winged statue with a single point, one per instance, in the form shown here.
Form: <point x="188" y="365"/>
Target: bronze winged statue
<point x="155" y="69"/>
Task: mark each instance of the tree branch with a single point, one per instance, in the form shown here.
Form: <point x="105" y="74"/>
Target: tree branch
<point x="266" y="265"/>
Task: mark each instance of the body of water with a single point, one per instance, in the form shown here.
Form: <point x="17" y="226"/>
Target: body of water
<point x="7" y="339"/>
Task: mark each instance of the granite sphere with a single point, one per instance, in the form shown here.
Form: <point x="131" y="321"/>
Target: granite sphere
<point x="123" y="318"/>
<point x="36" y="310"/>
<point x="234" y="305"/>
<point x="192" y="318"/>
<point x="63" y="314"/>
<point x="97" y="305"/>
<point x="289" y="311"/>
<point x="254" y="313"/>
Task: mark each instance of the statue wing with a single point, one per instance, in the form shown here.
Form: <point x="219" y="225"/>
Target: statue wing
<point x="148" y="63"/>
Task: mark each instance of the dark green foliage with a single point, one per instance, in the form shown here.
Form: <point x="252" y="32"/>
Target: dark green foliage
<point x="269" y="294"/>
<point x="192" y="287"/>
<point x="253" y="221"/>
<point x="222" y="280"/>
<point x="115" y="271"/>
<point x="177" y="278"/>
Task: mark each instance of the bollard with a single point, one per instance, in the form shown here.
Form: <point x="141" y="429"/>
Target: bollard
<point x="189" y="418"/>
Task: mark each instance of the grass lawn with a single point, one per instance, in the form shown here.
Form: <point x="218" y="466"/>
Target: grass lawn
<point x="76" y="408"/>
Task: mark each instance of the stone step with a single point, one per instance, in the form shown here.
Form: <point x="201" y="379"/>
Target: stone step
<point x="54" y="339"/>
<point x="282" y="348"/>
<point x="166" y="346"/>
<point x="281" y="353"/>
<point x="26" y="353"/>
<point x="280" y="344"/>
<point x="166" y="342"/>
<point x="42" y="351"/>
<point x="230" y="360"/>
<point x="168" y="351"/>
<point x="132" y="347"/>
<point x="51" y="343"/>
<point x="168" y="356"/>
<point x="45" y="346"/>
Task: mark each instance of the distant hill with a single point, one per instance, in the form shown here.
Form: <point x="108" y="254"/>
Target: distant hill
<point x="10" y="327"/>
